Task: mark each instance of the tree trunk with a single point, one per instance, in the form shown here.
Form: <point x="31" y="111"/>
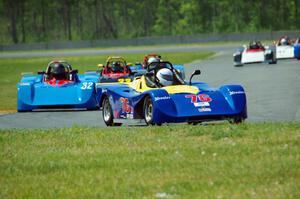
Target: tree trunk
<point x="23" y="15"/>
<point x="11" y="8"/>
<point x="44" y="26"/>
<point x="69" y="19"/>
<point x="79" y="19"/>
<point x="96" y="20"/>
<point x="108" y="21"/>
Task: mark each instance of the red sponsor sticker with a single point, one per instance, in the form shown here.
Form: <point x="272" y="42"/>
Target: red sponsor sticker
<point x="204" y="98"/>
<point x="201" y="97"/>
<point x="192" y="97"/>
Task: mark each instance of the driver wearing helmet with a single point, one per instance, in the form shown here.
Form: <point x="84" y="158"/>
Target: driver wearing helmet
<point x="57" y="75"/>
<point x="58" y="72"/>
<point x="152" y="59"/>
<point x="165" y="77"/>
<point x="116" y="67"/>
<point x="284" y="41"/>
<point x="253" y="45"/>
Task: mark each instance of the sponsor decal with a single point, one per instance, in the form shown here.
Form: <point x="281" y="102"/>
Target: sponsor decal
<point x="123" y="116"/>
<point x="204" y="109"/>
<point x="236" y="92"/>
<point x="129" y="115"/>
<point x="200" y="104"/>
<point x="162" y="98"/>
<point x="24" y="84"/>
<point x="126" y="108"/>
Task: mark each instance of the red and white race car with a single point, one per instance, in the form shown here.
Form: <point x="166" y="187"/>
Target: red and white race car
<point x="116" y="69"/>
<point x="254" y="53"/>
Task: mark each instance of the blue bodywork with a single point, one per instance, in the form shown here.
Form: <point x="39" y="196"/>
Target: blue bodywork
<point x="33" y="93"/>
<point x="226" y="102"/>
<point x="297" y="50"/>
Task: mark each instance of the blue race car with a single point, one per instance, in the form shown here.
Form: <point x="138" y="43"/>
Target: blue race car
<point x="58" y="87"/>
<point x="162" y="96"/>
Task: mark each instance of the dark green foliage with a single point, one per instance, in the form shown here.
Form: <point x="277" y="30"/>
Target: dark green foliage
<point x="24" y="21"/>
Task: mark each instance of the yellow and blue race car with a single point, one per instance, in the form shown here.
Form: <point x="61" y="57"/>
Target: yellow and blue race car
<point x="162" y="96"/>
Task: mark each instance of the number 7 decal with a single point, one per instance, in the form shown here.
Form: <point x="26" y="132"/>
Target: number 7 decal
<point x="201" y="97"/>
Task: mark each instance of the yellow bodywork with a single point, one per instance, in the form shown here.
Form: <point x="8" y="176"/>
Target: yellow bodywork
<point x="139" y="84"/>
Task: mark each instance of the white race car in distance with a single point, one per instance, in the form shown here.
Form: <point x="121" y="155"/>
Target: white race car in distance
<point x="287" y="49"/>
<point x="254" y="53"/>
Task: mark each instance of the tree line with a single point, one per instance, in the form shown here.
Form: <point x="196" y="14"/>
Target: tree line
<point x="25" y="21"/>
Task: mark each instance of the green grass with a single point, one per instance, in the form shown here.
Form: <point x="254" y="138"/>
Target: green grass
<point x="11" y="69"/>
<point x="207" y="161"/>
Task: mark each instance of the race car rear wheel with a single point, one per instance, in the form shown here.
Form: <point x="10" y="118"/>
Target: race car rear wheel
<point x="236" y="120"/>
<point x="148" y="111"/>
<point x="107" y="112"/>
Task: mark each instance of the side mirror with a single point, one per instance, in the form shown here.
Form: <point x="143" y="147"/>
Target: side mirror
<point x="100" y="66"/>
<point x="40" y="72"/>
<point x="196" y="72"/>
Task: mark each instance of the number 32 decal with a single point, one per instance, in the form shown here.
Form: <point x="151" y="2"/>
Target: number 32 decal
<point x="86" y="85"/>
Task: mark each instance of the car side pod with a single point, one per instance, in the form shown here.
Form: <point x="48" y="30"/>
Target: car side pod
<point x="237" y="58"/>
<point x="236" y="98"/>
<point x="270" y="55"/>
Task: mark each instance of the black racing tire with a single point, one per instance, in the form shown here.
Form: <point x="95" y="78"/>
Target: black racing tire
<point x="194" y="123"/>
<point x="238" y="65"/>
<point x="93" y="109"/>
<point x="236" y="120"/>
<point x="107" y="113"/>
<point x="148" y="111"/>
<point x="24" y="111"/>
<point x="273" y="62"/>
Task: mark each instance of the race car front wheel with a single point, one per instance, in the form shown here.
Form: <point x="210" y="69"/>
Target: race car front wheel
<point x="148" y="111"/>
<point x="107" y="112"/>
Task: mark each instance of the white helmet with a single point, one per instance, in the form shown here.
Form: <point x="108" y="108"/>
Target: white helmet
<point x="152" y="59"/>
<point x="283" y="41"/>
<point x="165" y="77"/>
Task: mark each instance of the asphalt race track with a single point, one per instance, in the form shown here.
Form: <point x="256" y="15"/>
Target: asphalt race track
<point x="273" y="91"/>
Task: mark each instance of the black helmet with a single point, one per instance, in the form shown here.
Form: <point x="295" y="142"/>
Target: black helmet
<point x="254" y="45"/>
<point x="116" y="67"/>
<point x="58" y="71"/>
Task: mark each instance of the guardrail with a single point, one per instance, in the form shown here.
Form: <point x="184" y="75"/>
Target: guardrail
<point x="184" y="39"/>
